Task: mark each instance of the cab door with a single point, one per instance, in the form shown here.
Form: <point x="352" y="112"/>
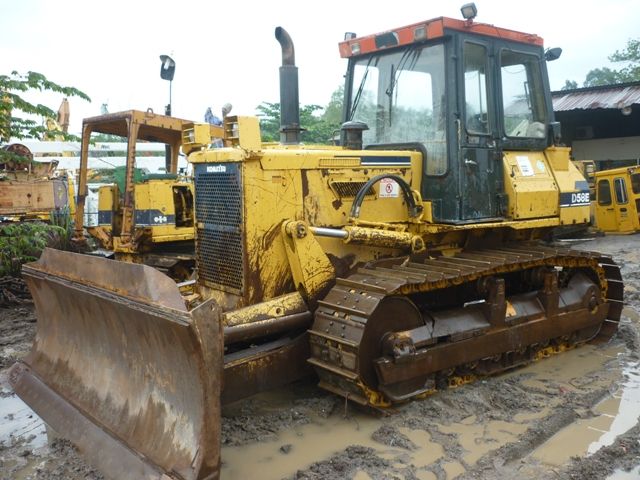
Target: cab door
<point x="481" y="181"/>
<point x="613" y="211"/>
<point x="605" y="210"/>
<point x="624" y="211"/>
<point x="634" y="201"/>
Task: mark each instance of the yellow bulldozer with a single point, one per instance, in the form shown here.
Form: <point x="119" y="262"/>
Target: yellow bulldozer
<point x="406" y="258"/>
<point x="143" y="218"/>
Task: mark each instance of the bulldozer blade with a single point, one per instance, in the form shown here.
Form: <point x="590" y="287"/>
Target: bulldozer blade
<point x="122" y="369"/>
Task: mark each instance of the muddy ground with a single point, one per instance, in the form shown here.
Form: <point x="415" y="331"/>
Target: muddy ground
<point x="570" y="416"/>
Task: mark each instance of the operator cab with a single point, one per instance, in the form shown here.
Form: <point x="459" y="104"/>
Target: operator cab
<point x="459" y="92"/>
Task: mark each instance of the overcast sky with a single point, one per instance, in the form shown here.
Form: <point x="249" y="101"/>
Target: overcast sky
<point x="225" y="51"/>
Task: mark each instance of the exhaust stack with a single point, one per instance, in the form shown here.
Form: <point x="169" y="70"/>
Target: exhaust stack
<point x="289" y="103"/>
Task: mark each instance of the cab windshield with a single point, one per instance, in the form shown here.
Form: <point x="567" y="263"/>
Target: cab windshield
<point x="523" y="100"/>
<point x="401" y="97"/>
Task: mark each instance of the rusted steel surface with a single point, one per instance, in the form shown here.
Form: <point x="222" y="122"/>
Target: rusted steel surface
<point x="267" y="366"/>
<point x="122" y="369"/>
<point x="361" y="345"/>
<point x="612" y="96"/>
<point x="266" y="327"/>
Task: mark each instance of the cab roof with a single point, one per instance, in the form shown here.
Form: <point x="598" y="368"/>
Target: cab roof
<point x="428" y="30"/>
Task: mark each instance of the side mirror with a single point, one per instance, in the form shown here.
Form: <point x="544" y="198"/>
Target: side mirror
<point x="167" y="68"/>
<point x="552" y="54"/>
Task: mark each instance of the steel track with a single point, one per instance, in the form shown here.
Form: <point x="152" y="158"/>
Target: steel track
<point x="341" y="343"/>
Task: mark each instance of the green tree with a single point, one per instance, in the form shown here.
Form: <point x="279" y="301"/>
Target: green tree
<point x="601" y="76"/>
<point x="631" y="54"/>
<point x="318" y="129"/>
<point x="333" y="111"/>
<point x="269" y="115"/>
<point x="570" y="85"/>
<point x="607" y="76"/>
<point x="13" y="107"/>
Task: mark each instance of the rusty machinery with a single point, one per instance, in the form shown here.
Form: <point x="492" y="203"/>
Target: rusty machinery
<point x="401" y="261"/>
<point x="30" y="189"/>
<point x="146" y="218"/>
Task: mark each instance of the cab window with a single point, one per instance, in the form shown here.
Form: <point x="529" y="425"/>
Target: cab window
<point x="401" y="96"/>
<point x="604" y="193"/>
<point x="475" y="88"/>
<point x="621" y="191"/>
<point x="635" y="183"/>
<point x="522" y="95"/>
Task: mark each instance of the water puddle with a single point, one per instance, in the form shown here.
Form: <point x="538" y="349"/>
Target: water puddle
<point x="479" y="439"/>
<point x="622" y="475"/>
<point x="19" y="422"/>
<point x="626" y="414"/>
<point x="298" y="447"/>
<point x="304" y="445"/>
<point x="428" y="452"/>
<point x="569" y="370"/>
<point x="613" y="416"/>
<point x="453" y="469"/>
<point x="579" y="370"/>
<point x="424" y="475"/>
<point x="301" y="446"/>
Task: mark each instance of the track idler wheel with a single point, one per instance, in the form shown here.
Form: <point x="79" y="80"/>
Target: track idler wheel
<point x="382" y="337"/>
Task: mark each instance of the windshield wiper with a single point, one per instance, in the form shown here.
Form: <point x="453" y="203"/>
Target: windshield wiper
<point x="414" y="53"/>
<point x="356" y="99"/>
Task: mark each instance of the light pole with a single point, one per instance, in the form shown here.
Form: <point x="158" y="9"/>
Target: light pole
<point x="167" y="70"/>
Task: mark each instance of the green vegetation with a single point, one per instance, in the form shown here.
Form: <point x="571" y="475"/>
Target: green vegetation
<point x="11" y="88"/>
<point x="62" y="218"/>
<point x="320" y="128"/>
<point x="13" y="108"/>
<point x="24" y="242"/>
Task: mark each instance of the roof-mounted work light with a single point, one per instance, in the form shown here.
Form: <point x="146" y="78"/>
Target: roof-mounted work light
<point x="469" y="11"/>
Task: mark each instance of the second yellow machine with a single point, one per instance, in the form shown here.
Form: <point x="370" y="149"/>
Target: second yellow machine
<point x="143" y="218"/>
<point x="406" y="259"/>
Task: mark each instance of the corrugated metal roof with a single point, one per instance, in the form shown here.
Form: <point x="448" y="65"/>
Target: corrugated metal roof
<point x="607" y="96"/>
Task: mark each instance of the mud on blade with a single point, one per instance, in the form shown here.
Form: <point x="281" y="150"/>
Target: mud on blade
<point x="122" y="369"/>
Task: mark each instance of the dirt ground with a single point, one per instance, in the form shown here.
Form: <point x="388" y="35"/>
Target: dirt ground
<point x="571" y="416"/>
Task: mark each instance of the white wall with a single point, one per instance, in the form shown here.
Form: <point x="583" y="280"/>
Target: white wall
<point x="623" y="148"/>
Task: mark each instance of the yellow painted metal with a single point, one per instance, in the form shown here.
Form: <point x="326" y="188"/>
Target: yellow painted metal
<point x="385" y="238"/>
<point x="196" y="136"/>
<point x="587" y="168"/>
<point x="283" y="191"/>
<point x="311" y="269"/>
<point x="530" y="186"/>
<point x="243" y="132"/>
<point x="617" y="202"/>
<point x="107" y="200"/>
<point x="456" y="381"/>
<point x="571" y="183"/>
<point x="317" y="185"/>
<point x="375" y="399"/>
<point x="155" y="199"/>
<point x="142" y="217"/>
<point x="288" y="304"/>
<point x="281" y="185"/>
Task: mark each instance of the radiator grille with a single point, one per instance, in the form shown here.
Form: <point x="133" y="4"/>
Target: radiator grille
<point x="219" y="244"/>
<point x="350" y="189"/>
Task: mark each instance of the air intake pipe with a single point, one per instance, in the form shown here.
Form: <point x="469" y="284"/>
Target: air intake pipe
<point x="289" y="103"/>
